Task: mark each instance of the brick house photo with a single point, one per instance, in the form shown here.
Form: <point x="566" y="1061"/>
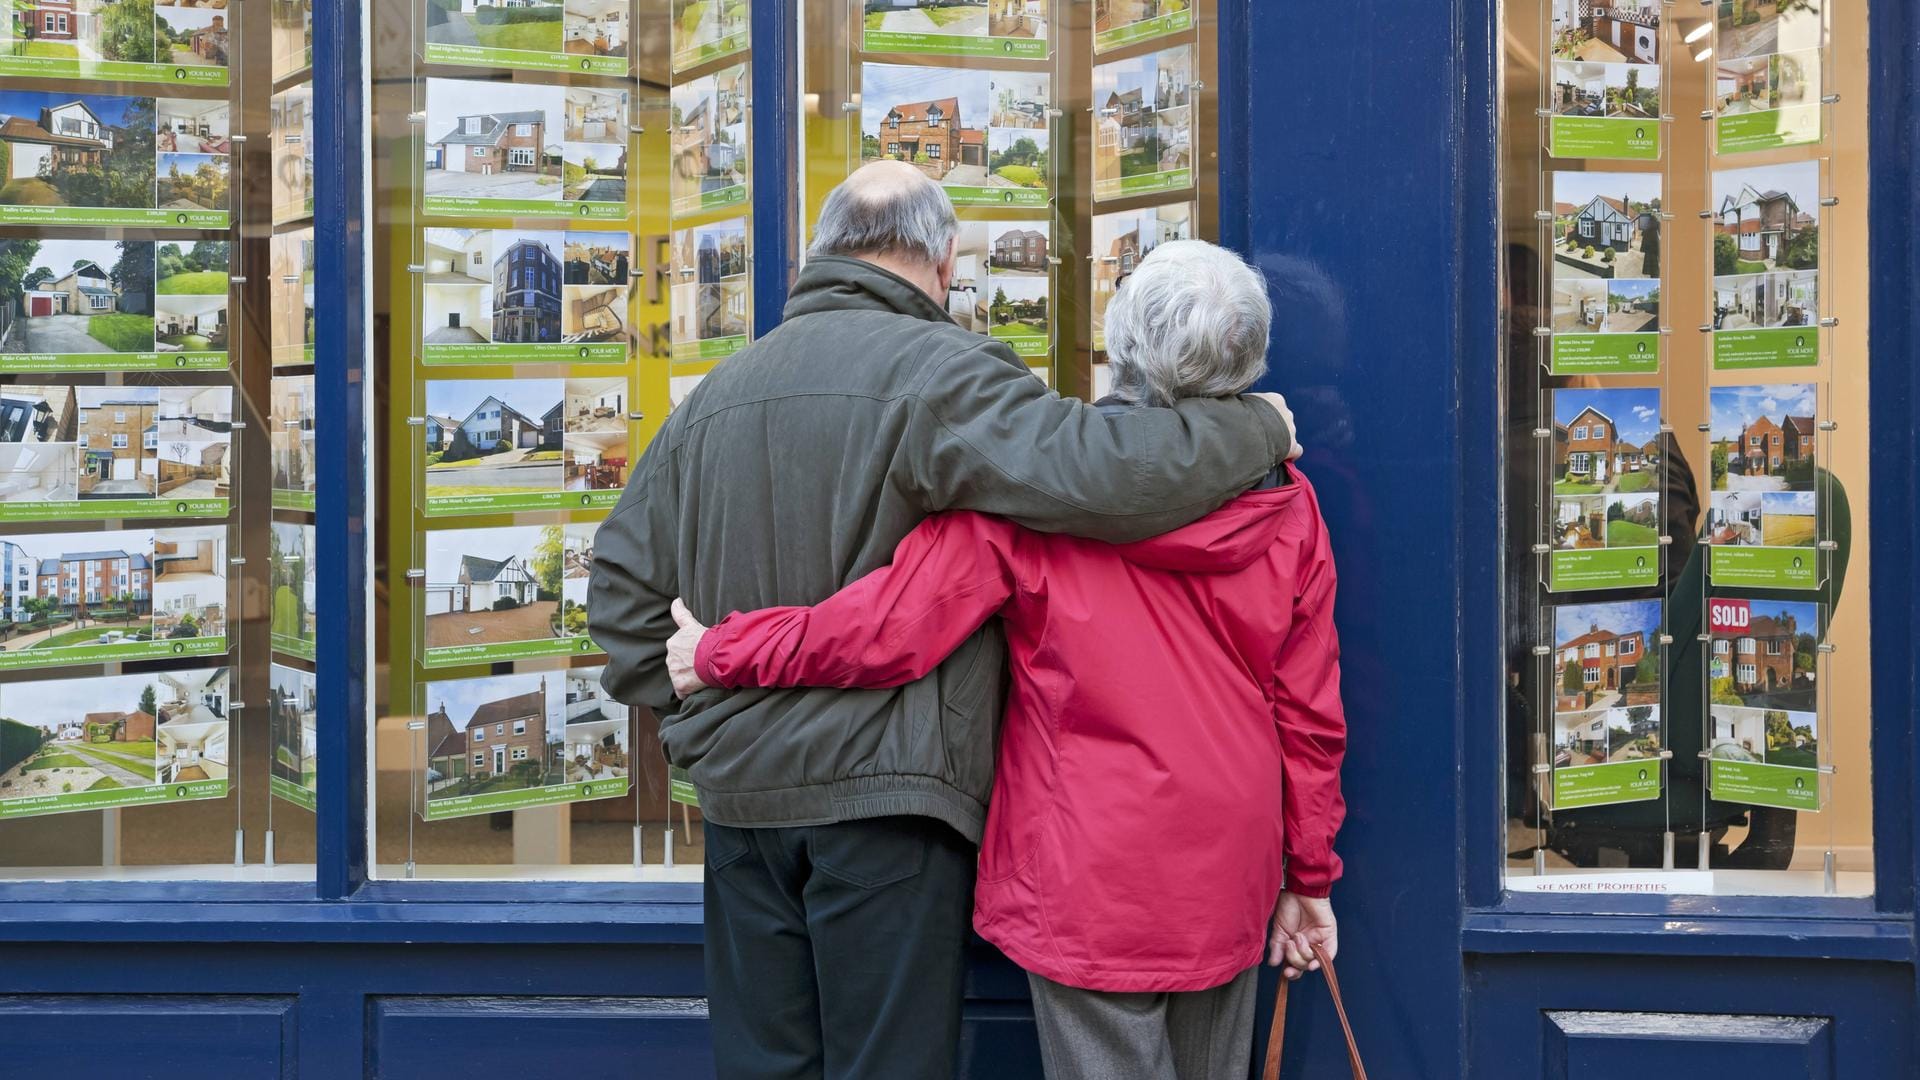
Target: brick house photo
<point x="499" y="733"/>
<point x="1772" y="654"/>
<point x="494" y="140"/>
<point x="1764" y="438"/>
<point x="1599" y="440"/>
<point x="119" y="445"/>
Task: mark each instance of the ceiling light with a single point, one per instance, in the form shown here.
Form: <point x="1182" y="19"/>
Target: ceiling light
<point x="1697" y="33"/>
<point x="1702" y="54"/>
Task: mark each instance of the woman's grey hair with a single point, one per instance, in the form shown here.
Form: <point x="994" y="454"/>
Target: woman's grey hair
<point x="887" y="208"/>
<point x="1191" y="321"/>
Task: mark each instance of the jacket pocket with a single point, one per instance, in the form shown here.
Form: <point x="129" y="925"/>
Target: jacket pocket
<point x="725" y="846"/>
<point x="875" y="852"/>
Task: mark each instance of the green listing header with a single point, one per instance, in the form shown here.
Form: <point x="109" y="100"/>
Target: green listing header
<point x="284" y="499"/>
<point x="149" y="361"/>
<point x="902" y="41"/>
<point x="456" y="505"/>
<point x="709" y="349"/>
<point x="680" y="787"/>
<point x="52" y="67"/>
<point x="1023" y="344"/>
<point x="112" y="798"/>
<point x="283" y="788"/>
<point x="711" y="50"/>
<point x="1145" y="30"/>
<point x="523" y="59"/>
<point x="1765" y="567"/>
<point x="459" y="655"/>
<point x="101" y="509"/>
<point x="493" y="802"/>
<point x="20" y="658"/>
<point x="598" y="352"/>
<point x="997" y="196"/>
<point x="1144" y="184"/>
<point x="1791" y="346"/>
<point x="1620" y="138"/>
<point x="1603" y="568"/>
<point x="459" y="206"/>
<point x="127" y="217"/>
<point x="1759" y="784"/>
<point x="1605" y="354"/>
<point x="302" y="648"/>
<point x="717" y="199"/>
<point x="1768" y="130"/>
<point x="1601" y="785"/>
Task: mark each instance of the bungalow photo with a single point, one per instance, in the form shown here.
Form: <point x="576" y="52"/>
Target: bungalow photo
<point x="293" y="703"/>
<point x="290" y="289"/>
<point x="1617" y="32"/>
<point x="189" y="34"/>
<point x="1766" y="245"/>
<point x="576" y="572"/>
<point x="1606" y="225"/>
<point x="493" y="140"/>
<point x="290" y="433"/>
<point x="1120" y="240"/>
<point x="492" y="586"/>
<point x="1787" y="737"/>
<point x="596" y="28"/>
<point x="291" y="567"/>
<point x="939" y="120"/>
<point x="291" y="130"/>
<point x="594" y="144"/>
<point x="69" y="590"/>
<point x="190" y="583"/>
<point x="710" y="290"/>
<point x="1143" y="121"/>
<point x="1764" y="437"/>
<point x="596" y="731"/>
<point x="1606" y="656"/>
<point x="63" y="149"/>
<point x="1600" y="439"/>
<point x="59" y="297"/>
<point x="485" y="437"/>
<point x="698" y="27"/>
<point x="1759" y="27"/>
<point x="1762" y="652"/>
<point x="499" y="733"/>
<point x="526" y="25"/>
<point x="597" y="288"/>
<point x="192" y="283"/>
<point x="62" y="736"/>
<point x="709" y="141"/>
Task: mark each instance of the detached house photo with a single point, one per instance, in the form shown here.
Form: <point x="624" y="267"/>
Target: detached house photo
<point x="1770" y="660"/>
<point x="488" y="438"/>
<point x="490" y="586"/>
<point x="1767" y="217"/>
<point x="64" y="149"/>
<point x="493" y="140"/>
<point x="191" y="36"/>
<point x="1121" y="240"/>
<point x="119" y="442"/>
<point x="1599" y="440"/>
<point x="1764" y="437"/>
<point x="68" y="301"/>
<point x="1606" y="655"/>
<point x="500" y="733"/>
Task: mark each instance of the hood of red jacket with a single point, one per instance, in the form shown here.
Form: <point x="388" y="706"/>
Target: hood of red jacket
<point x="1227" y="540"/>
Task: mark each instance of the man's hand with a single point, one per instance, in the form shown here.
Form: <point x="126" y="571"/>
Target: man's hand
<point x="1298" y="923"/>
<point x="1279" y="404"/>
<point x="680" y="651"/>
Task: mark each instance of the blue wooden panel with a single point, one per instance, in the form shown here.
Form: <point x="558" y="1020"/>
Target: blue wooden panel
<point x="1606" y="1045"/>
<point x="579" y="1038"/>
<point x="141" y="1037"/>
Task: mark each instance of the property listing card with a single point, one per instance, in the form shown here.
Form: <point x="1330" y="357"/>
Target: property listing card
<point x="113" y="741"/>
<point x="1766" y="266"/>
<point x="1143" y="124"/>
<point x="1607" y="733"/>
<point x="1764" y="747"/>
<point x="100" y="159"/>
<point x="1606" y="515"/>
<point x="111" y="597"/>
<point x="584" y="36"/>
<point x="706" y="30"/>
<point x="1606" y="273"/>
<point x="525" y="444"/>
<point x="984" y="135"/>
<point x="501" y="594"/>
<point x="711" y="298"/>
<point x="1001" y="284"/>
<point x="1605" y="79"/>
<point x="515" y="296"/>
<point x="155" y="41"/>
<point x="1766" y="74"/>
<point x="525" y="150"/>
<point x="82" y="453"/>
<point x="509" y="742"/>
<point x="294" y="702"/>
<point x="1763" y="519"/>
<point x="710" y="141"/>
<point x="114" y="305"/>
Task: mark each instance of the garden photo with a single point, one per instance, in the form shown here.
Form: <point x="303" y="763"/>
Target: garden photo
<point x="1764" y="438"/>
<point x="492" y="586"/>
<point x="699" y="27"/>
<point x="525" y="25"/>
<point x="191" y="35"/>
<point x="61" y="297"/>
<point x="1785" y="737"/>
<point x="1633" y="520"/>
<point x="1600" y="440"/>
<point x="62" y="736"/>
<point x="575" y="576"/>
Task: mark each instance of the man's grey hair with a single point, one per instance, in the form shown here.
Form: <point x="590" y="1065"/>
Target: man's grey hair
<point x="1191" y="321"/>
<point x="887" y="208"/>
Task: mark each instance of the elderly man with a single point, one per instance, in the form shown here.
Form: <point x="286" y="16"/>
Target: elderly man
<point x="841" y="824"/>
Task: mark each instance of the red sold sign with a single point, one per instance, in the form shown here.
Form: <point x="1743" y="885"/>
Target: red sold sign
<point x="1728" y="616"/>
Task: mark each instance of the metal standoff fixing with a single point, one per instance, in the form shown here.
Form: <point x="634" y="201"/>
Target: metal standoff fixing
<point x="1542" y="433"/>
<point x="1703" y="638"/>
<point x="1666" y="330"/>
<point x="1830" y="321"/>
<point x="237" y="138"/>
<point x="1830" y="99"/>
<point x="1702" y="755"/>
<point x="416" y="268"/>
<point x="1704" y="428"/>
<point x="1831" y="200"/>
<point x="416" y="574"/>
<point x="417" y="117"/>
<point x="1706" y="114"/>
<point x="1666" y="118"/>
<point x="290" y="279"/>
<point x="1054" y="260"/>
<point x="1829" y="425"/>
<point x="1055" y="114"/>
<point x="1543" y="215"/>
<point x="1666" y="428"/>
<point x="416" y="725"/>
<point x="636" y="415"/>
<point x="638" y="129"/>
<point x="1542" y="768"/>
<point x="1666" y="541"/>
<point x="1543" y="113"/>
<point x="1826" y="647"/>
<point x="1828" y="545"/>
<point x="1543" y="650"/>
<point x="237" y="279"/>
<point x="1543" y="331"/>
<point x="1706" y="215"/>
<point x="1666" y="639"/>
<point x="238" y="425"/>
<point x="236" y="705"/>
<point x="1666" y="755"/>
<point x="1706" y="328"/>
<point x="849" y="106"/>
<point x="416" y="421"/>
<point x="1542" y="549"/>
<point x="237" y="560"/>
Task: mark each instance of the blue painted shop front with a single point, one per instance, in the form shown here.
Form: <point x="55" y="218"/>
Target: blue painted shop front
<point x="1324" y="150"/>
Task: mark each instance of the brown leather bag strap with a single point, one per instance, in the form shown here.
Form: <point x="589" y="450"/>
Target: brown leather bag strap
<point x="1276" y="1038"/>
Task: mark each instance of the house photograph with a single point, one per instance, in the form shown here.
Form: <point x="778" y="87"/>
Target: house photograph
<point x="291" y="566"/>
<point x="1111" y="15"/>
<point x="1606" y="655"/>
<point x="119" y="442"/>
<point x="525" y="25"/>
<point x="291" y="433"/>
<point x="76" y="296"/>
<point x="597" y="405"/>
<point x="190" y="582"/>
<point x="1017" y="307"/>
<point x="1631" y="91"/>
<point x="1610" y="228"/>
<point x="1763" y="653"/>
<point x="292" y="36"/>
<point x="1142" y="117"/>
<point x="934" y="118"/>
<point x="710" y="287"/>
<point x="575" y="576"/>
<point x="291" y="127"/>
<point x="495" y="439"/>
<point x="1018" y="249"/>
<point x="597" y="258"/>
<point x="1767" y="218"/>
<point x="190" y="323"/>
<point x="191" y="182"/>
<point x="191" y="35"/>
<point x="596" y="731"/>
<point x="951" y="18"/>
<point x="45" y="472"/>
<point x="62" y="590"/>
<point x="192" y="733"/>
<point x="709" y="135"/>
<point x="1017" y="19"/>
<point x="1764" y="437"/>
<point x="1783" y="299"/>
<point x="1579" y="522"/>
<point x="62" y="149"/>
<point x="596" y="28"/>
<point x="1580" y="88"/>
<point x="523" y="303"/>
<point x="1579" y="738"/>
<point x="1742" y="85"/>
<point x="493" y="140"/>
<point x="68" y="735"/>
<point x="1794" y="79"/>
<point x="699" y="25"/>
<point x="1759" y="27"/>
<point x="293" y="702"/>
<point x="492" y="586"/>
<point x="499" y="733"/>
<point x="966" y="293"/>
<point x="596" y="290"/>
<point x="1606" y="430"/>
<point x="1620" y="31"/>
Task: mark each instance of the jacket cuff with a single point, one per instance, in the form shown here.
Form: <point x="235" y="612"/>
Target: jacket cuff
<point x="1279" y="435"/>
<point x="703" y="655"/>
<point x="1311" y="886"/>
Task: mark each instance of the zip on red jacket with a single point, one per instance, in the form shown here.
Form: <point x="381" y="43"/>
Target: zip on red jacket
<point x="1173" y="733"/>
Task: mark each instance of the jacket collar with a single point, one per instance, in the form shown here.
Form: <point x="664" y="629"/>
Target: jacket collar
<point x="842" y="283"/>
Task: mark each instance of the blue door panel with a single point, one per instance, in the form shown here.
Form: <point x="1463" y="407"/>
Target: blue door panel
<point x="579" y="1038"/>
<point x="146" y="1037"/>
<point x="1603" y="1045"/>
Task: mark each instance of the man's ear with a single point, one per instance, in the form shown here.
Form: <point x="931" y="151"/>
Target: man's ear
<point x="950" y="266"/>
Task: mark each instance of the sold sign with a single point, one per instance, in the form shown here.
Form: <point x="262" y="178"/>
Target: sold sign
<point x="1728" y="616"/>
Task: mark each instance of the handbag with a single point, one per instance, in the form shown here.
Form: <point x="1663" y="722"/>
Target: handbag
<point x="1278" y="1034"/>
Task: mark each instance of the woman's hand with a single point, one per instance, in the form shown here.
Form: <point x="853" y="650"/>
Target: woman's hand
<point x="681" y="648"/>
<point x="1300" y="922"/>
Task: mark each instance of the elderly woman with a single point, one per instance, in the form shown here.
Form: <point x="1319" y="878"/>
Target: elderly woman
<point x="1168" y="774"/>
